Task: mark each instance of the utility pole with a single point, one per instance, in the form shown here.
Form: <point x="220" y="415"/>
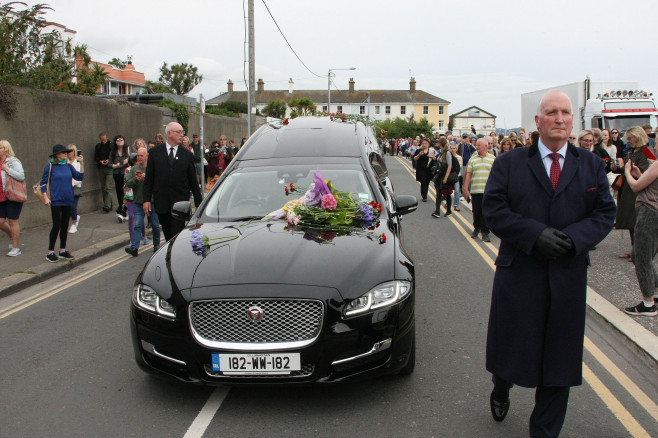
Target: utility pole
<point x="252" y="67"/>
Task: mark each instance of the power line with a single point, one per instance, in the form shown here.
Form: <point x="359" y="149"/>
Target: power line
<point x="286" y="39"/>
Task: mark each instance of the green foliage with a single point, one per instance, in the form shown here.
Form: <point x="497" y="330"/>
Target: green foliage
<point x="182" y="115"/>
<point x="301" y="107"/>
<point x="118" y="63"/>
<point x="30" y="57"/>
<point x="235" y="107"/>
<point x="89" y="79"/>
<point x="218" y="110"/>
<point x="275" y="108"/>
<point x="181" y="78"/>
<point x="158" y="88"/>
<point x="399" y="127"/>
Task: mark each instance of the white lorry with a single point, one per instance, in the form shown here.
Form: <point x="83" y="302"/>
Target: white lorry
<point x="620" y="110"/>
<point x="616" y="105"/>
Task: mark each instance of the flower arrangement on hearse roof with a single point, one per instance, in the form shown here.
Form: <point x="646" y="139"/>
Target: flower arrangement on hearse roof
<point x="325" y="209"/>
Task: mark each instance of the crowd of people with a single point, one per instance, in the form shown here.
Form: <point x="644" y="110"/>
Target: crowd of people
<point x="122" y="170"/>
<point x="459" y="167"/>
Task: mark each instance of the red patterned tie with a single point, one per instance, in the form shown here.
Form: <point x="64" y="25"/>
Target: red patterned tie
<point x="555" y="169"/>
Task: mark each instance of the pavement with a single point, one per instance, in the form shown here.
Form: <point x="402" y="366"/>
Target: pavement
<point x="98" y="234"/>
<point x="612" y="282"/>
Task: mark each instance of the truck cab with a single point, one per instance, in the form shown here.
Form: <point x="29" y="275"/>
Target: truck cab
<point x="620" y="110"/>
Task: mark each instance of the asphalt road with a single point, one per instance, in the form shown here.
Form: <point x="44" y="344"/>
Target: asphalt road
<point x="68" y="369"/>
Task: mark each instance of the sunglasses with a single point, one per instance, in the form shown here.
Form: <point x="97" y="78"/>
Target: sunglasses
<point x="615" y="132"/>
<point x="69" y="152"/>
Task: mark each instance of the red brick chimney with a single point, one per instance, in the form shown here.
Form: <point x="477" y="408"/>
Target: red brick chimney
<point x="351" y="85"/>
<point x="230" y="86"/>
<point x="412" y="85"/>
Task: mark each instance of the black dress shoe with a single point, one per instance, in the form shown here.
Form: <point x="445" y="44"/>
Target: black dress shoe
<point x="498" y="409"/>
<point x="131" y="250"/>
<point x="155" y="247"/>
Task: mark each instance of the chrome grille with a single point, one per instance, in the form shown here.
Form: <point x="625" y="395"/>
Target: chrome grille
<point x="219" y="322"/>
<point x="306" y="371"/>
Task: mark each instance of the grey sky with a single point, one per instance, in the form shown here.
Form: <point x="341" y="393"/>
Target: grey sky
<point x="471" y="52"/>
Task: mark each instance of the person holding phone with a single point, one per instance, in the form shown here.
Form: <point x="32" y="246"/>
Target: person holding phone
<point x="645" y="186"/>
<point x="135" y="181"/>
<point x="72" y="155"/>
<point x="626" y="216"/>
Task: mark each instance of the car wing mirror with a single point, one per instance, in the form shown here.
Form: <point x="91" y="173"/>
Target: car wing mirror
<point x="182" y="211"/>
<point x="405" y="204"/>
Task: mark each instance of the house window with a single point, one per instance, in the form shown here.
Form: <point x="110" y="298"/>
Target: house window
<point x="426" y="109"/>
<point x="324" y="108"/>
<point x="339" y="108"/>
<point x="377" y="109"/>
<point x="362" y="109"/>
<point x="403" y="109"/>
<point x="441" y="124"/>
<point x="440" y="110"/>
<point x="388" y="109"/>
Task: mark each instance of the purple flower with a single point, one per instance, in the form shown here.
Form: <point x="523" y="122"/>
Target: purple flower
<point x="366" y="213"/>
<point x="318" y="189"/>
<point x="198" y="244"/>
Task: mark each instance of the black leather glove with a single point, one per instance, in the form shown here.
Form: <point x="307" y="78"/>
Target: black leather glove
<point x="552" y="244"/>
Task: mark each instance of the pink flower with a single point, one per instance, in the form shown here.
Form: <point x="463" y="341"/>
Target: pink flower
<point x="329" y="202"/>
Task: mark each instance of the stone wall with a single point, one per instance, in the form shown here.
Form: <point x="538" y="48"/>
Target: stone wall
<point x="45" y="118"/>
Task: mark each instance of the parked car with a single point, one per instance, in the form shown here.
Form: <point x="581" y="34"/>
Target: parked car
<point x="240" y="298"/>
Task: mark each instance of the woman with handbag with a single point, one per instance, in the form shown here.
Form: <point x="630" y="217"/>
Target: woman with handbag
<point x="12" y="186"/>
<point x="57" y="176"/>
<point x="72" y="153"/>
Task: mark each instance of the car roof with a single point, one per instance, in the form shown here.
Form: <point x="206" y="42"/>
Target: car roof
<point x="312" y="136"/>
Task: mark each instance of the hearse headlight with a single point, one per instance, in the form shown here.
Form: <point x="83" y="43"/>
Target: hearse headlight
<point x="146" y="298"/>
<point x="383" y="295"/>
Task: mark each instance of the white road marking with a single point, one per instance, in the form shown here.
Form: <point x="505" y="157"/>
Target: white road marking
<point x="202" y="421"/>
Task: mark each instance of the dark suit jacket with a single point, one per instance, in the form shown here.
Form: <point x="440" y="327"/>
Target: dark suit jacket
<point x="170" y="184"/>
<point x="537" y="318"/>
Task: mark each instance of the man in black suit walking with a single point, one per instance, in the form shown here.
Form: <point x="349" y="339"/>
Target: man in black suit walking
<point x="170" y="177"/>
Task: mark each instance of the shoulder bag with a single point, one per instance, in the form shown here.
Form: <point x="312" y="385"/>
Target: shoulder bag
<point x="618" y="182"/>
<point x="15" y="190"/>
<point x="37" y="187"/>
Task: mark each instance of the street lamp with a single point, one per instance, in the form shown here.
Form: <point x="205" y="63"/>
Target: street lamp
<point x="329" y="85"/>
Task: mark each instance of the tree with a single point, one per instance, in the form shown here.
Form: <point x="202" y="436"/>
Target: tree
<point x="181" y="78"/>
<point x="275" y="108"/>
<point x="301" y="106"/>
<point x="30" y="57"/>
<point x="399" y="128"/>
<point x="158" y="88"/>
<point x="118" y="63"/>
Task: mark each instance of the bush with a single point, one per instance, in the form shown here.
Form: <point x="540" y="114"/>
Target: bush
<point x="182" y="115"/>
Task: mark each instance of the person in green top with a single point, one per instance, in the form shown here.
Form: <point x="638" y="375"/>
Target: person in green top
<point x="477" y="173"/>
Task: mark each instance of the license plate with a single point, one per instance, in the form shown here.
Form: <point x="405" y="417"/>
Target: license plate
<point x="256" y="363"/>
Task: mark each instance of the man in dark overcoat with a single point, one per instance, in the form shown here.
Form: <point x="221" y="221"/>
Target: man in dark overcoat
<point x="170" y="177"/>
<point x="549" y="204"/>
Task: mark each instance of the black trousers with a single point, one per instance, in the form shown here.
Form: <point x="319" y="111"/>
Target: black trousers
<point x="424" y="185"/>
<point x="118" y="187"/>
<point x="60" y="215"/>
<point x="547" y="417"/>
<point x="550" y="409"/>
<point x="170" y="225"/>
<point x="478" y="219"/>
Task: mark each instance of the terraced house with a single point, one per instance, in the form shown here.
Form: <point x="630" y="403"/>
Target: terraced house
<point x="378" y="104"/>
